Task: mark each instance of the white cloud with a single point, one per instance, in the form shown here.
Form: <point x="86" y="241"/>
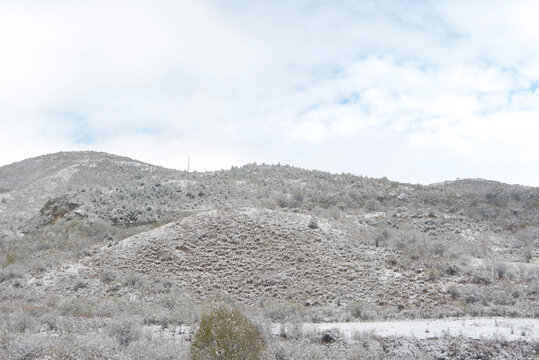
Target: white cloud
<point x="438" y="89"/>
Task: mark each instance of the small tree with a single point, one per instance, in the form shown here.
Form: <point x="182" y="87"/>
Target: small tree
<point x="226" y="334"/>
<point x="313" y="223"/>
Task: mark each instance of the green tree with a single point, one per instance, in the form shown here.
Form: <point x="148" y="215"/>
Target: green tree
<point x="226" y="334"/>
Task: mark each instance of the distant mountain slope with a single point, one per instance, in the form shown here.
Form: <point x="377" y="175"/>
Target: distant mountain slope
<point x="69" y="169"/>
<point x="27" y="185"/>
<point x="120" y="190"/>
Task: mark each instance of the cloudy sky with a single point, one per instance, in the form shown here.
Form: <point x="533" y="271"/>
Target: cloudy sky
<point x="418" y="91"/>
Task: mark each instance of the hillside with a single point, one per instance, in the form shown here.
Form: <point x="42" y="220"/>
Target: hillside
<point x="95" y="239"/>
<point x="27" y="185"/>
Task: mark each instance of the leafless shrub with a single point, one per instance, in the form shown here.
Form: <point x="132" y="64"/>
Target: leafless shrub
<point x="452" y="269"/>
<point x="124" y="331"/>
<point x="282" y="312"/>
<point x="372" y="205"/>
<point x="11" y="272"/>
<point x="107" y="276"/>
<point x="481" y="276"/>
<point x="363" y="311"/>
<point x="157" y="349"/>
<point x="134" y="280"/>
<point x="471" y="294"/>
<point x="313" y="223"/>
<point x="335" y="213"/>
<point x="298" y="196"/>
<point x="80" y="284"/>
<point x="433" y="273"/>
<point x="382" y="237"/>
<point x="282" y="201"/>
<point x="20" y="322"/>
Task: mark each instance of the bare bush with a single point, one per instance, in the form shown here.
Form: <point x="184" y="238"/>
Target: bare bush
<point x="124" y="331"/>
<point x="481" y="276"/>
<point x="363" y="311"/>
<point x="313" y="223"/>
<point x="372" y="205"/>
<point x="11" y="272"/>
<point x="107" y="276"/>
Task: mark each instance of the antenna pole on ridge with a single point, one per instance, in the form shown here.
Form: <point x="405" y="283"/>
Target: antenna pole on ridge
<point x="188" y="164"/>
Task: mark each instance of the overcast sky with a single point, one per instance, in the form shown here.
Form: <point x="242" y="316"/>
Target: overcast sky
<point x="418" y="91"/>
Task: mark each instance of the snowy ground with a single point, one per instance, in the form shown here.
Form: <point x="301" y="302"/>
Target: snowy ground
<point x="509" y="329"/>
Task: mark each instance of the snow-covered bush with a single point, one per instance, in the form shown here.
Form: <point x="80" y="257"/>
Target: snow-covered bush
<point x="124" y="331"/>
<point x="313" y="223"/>
<point x="11" y="272"/>
<point x="471" y="294"/>
<point x="481" y="276"/>
<point x="372" y="205"/>
<point x="363" y="311"/>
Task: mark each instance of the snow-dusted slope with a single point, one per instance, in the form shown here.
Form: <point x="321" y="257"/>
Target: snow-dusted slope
<point x="102" y="240"/>
<point x="510" y="329"/>
<point x="27" y="185"/>
<point x="253" y="255"/>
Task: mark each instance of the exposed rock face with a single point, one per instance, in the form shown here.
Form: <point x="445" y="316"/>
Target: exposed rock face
<point x="57" y="208"/>
<point x="54" y="210"/>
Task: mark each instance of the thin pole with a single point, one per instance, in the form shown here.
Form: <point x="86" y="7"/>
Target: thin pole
<point x="188" y="164"/>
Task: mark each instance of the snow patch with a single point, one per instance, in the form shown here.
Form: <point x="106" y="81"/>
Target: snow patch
<point x="67" y="173"/>
<point x="374" y="215"/>
<point x="511" y="329"/>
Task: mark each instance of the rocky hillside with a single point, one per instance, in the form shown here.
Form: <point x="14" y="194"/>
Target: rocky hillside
<point x="95" y="239"/>
<point x="27" y="185"/>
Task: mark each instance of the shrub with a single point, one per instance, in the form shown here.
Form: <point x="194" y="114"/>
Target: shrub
<point x="371" y="205"/>
<point x="226" y="334"/>
<point x="433" y="274"/>
<point x="313" y="223"/>
<point x="438" y="248"/>
<point x="11" y="257"/>
<point x="298" y="197"/>
<point x="124" y="331"/>
<point x="20" y="322"/>
<point x="501" y="269"/>
<point x="80" y="284"/>
<point x="363" y="311"/>
<point x="452" y="269"/>
<point x="481" y="276"/>
<point x="383" y="236"/>
<point x="282" y="312"/>
<point x="282" y="201"/>
<point x="11" y="272"/>
<point x="107" y="276"/>
<point x="133" y="280"/>
<point x="471" y="294"/>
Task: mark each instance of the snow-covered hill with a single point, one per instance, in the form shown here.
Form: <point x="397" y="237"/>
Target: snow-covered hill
<point x="96" y="240"/>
